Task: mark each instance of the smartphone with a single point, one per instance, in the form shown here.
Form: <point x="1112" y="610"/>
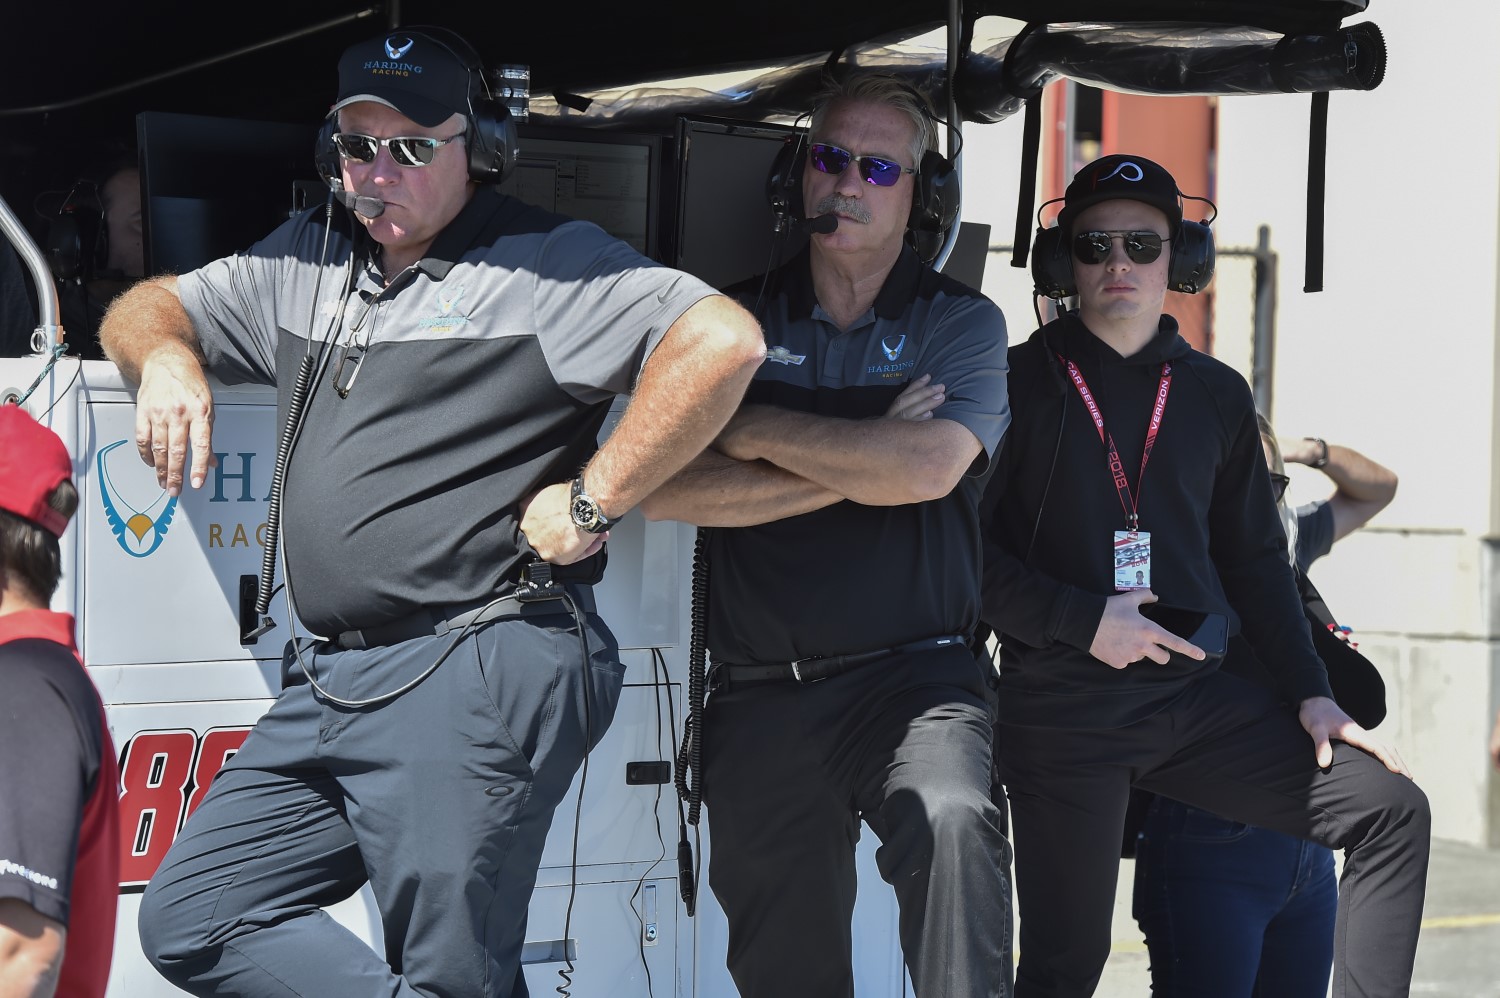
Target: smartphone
<point x="1206" y="629"/>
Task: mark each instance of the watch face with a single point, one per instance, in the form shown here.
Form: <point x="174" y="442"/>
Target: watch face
<point x="585" y="512"/>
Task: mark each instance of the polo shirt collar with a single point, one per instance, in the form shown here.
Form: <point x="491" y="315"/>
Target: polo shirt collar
<point x="458" y="236"/>
<point x="55" y="627"/>
<point x="892" y="302"/>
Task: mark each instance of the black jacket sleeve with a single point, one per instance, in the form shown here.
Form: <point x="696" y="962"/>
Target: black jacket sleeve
<point x="1248" y="545"/>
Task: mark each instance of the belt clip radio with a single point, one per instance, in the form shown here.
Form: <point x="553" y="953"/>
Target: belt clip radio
<point x="537" y="585"/>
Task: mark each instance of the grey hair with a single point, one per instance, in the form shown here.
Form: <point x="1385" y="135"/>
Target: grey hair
<point x="880" y="88"/>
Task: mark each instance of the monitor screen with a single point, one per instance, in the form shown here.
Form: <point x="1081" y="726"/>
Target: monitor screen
<point x="725" y="229"/>
<point x="212" y="186"/>
<point x="609" y="178"/>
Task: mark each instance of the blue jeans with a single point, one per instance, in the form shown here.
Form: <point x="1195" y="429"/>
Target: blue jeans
<point x="1230" y="910"/>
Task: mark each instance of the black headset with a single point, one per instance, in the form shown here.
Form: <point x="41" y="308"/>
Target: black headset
<point x="1190" y="264"/>
<point x="77" y="235"/>
<point x="934" y="200"/>
<point x="489" y="132"/>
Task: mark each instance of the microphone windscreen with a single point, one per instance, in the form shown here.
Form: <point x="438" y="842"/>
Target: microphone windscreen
<point x="361" y="205"/>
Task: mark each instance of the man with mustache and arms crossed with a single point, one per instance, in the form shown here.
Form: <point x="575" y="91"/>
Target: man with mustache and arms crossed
<point x="843" y="582"/>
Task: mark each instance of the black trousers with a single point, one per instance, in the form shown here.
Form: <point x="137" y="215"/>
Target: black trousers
<point x="1228" y="747"/>
<point x="790" y="771"/>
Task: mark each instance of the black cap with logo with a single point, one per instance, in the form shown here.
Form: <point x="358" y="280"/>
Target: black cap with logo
<point x="408" y="71"/>
<point x="1121" y="176"/>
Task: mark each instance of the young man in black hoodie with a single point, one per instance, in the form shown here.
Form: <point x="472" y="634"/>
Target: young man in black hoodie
<point x="1131" y="452"/>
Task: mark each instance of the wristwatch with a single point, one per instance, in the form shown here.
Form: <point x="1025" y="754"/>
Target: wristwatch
<point x="1322" y="458"/>
<point x="584" y="508"/>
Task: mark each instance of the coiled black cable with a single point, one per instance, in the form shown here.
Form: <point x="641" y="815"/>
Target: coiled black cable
<point x="690" y="756"/>
<point x="264" y="588"/>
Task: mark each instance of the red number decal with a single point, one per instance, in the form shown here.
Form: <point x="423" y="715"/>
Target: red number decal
<point x="157" y="769"/>
<point x="216" y="748"/>
<point x="154" y="776"/>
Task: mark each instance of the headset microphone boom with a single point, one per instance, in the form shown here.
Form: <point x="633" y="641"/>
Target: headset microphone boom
<point x="360" y="204"/>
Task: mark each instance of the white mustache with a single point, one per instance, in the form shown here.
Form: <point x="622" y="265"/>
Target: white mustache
<point x="839" y="204"/>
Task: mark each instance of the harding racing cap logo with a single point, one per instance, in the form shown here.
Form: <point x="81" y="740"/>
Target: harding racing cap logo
<point x="396" y="47"/>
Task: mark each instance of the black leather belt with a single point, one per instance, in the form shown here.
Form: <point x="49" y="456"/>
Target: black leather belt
<point x="724" y="675"/>
<point x="442" y="619"/>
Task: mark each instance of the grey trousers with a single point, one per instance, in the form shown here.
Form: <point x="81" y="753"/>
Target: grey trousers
<point x="790" y="771"/>
<point x="1226" y="746"/>
<point x="440" y="798"/>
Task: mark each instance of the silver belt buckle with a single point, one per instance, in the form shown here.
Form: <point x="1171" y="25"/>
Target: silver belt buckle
<point x="797" y="671"/>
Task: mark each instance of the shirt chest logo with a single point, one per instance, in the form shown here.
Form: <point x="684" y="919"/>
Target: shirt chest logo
<point x="781" y="355"/>
<point x="448" y="316"/>
<point x="891" y="348"/>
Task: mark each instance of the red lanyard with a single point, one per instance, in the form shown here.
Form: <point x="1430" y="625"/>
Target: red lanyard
<point x="1116" y="467"/>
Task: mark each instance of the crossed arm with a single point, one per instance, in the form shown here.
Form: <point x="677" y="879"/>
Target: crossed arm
<point x="770" y="463"/>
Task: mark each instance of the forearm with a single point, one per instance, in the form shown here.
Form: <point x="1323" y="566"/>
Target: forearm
<point x="1356" y="476"/>
<point x="145" y="319"/>
<point x="876" y="462"/>
<point x="718" y="491"/>
<point x="687" y="391"/>
<point x="1359" y="478"/>
<point x="31" y="951"/>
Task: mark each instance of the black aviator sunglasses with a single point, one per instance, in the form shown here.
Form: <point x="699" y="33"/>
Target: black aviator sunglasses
<point x="1141" y="246"/>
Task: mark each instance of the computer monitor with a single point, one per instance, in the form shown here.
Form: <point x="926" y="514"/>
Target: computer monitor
<point x="610" y="178"/>
<point x="212" y="186"/>
<point x="725" y="229"/>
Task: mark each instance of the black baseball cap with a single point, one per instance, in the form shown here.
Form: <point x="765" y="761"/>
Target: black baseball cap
<point x="412" y="72"/>
<point x="1121" y="176"/>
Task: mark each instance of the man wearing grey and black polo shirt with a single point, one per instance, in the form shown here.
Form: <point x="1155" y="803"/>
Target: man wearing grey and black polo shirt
<point x="462" y="350"/>
<point x="843" y="586"/>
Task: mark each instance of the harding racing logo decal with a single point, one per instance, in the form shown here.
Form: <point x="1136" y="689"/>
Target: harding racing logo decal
<point x="448" y="317"/>
<point x="143" y="531"/>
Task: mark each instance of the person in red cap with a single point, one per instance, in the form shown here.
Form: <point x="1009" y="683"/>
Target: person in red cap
<point x="59" y="784"/>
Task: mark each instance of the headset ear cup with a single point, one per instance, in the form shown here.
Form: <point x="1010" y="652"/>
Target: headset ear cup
<point x="326" y="154"/>
<point x="1052" y="265"/>
<point x="1191" y="265"/>
<point x="784" y="180"/>
<point x="935" y="195"/>
<point x="492" y="140"/>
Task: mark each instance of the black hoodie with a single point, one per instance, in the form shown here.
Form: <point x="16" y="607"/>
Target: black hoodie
<point x="1051" y="510"/>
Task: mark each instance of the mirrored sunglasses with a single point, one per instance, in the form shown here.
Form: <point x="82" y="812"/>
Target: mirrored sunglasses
<point x="406" y="150"/>
<point x="1142" y="246"/>
<point x="876" y="170"/>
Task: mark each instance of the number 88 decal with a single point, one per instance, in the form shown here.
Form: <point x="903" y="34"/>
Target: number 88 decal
<point x="163" y="778"/>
